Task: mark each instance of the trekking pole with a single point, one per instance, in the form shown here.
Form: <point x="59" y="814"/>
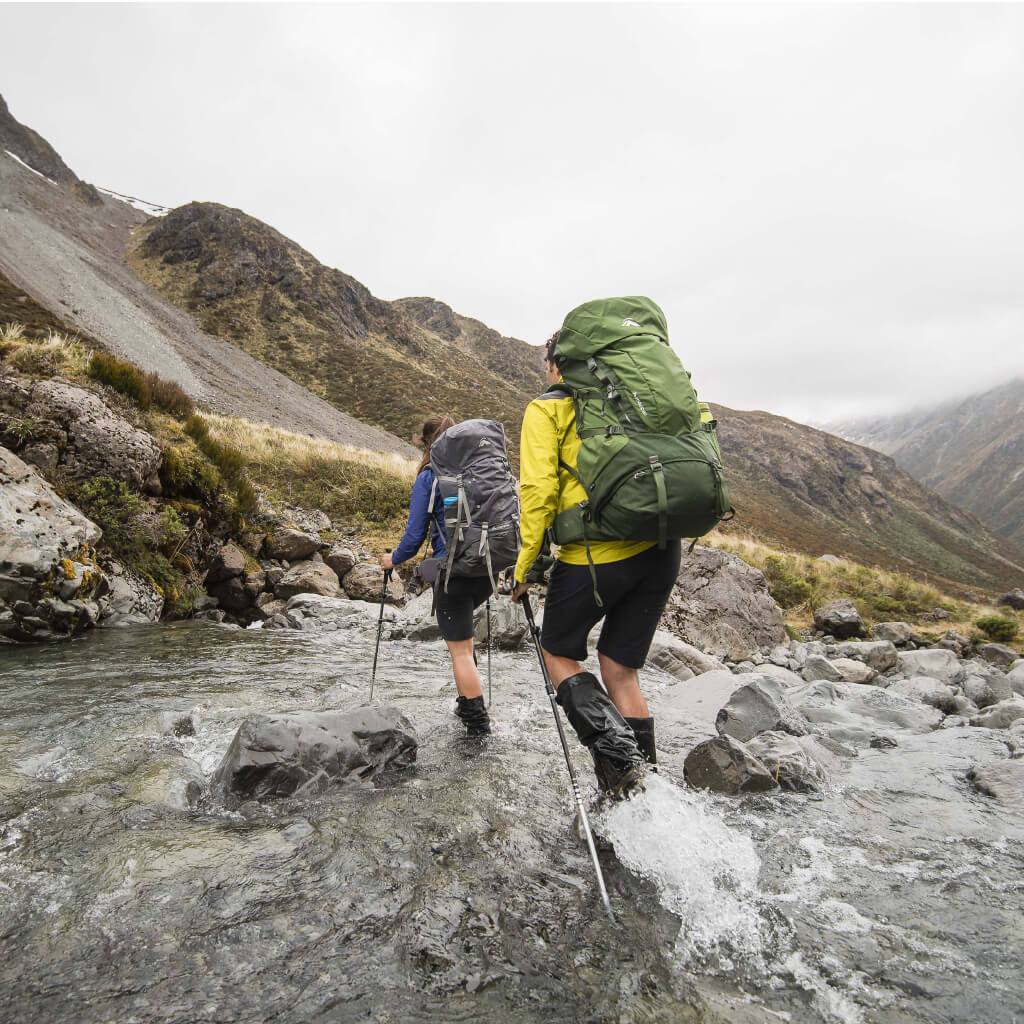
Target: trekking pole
<point x="488" y="652"/>
<point x="581" y="809"/>
<point x="380" y="622"/>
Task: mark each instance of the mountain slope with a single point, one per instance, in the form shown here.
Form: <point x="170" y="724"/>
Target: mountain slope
<point x="970" y="452"/>
<point x="386" y="363"/>
<point x="814" y="492"/>
<point x="389" y="362"/>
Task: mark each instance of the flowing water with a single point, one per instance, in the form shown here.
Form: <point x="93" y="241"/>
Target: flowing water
<point x="459" y="890"/>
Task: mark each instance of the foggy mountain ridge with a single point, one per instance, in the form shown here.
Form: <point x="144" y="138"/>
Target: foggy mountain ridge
<point x="250" y="324"/>
<point x="971" y="451"/>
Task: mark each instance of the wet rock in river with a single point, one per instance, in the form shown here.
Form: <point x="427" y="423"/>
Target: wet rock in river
<point x="1001" y="715"/>
<point x="936" y="664"/>
<point x="799" y="764"/>
<point x="678" y="658"/>
<point x="1003" y="781"/>
<point x="854" y="714"/>
<point x="305" y="752"/>
<point x="726" y="766"/>
<point x="759" y="706"/>
<point x="365" y="581"/>
<point x="508" y="624"/>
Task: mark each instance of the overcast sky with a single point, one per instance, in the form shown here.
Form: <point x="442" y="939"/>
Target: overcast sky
<point x="827" y="201"/>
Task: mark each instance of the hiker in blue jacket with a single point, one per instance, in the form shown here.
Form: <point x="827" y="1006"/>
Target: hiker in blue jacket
<point x="456" y="603"/>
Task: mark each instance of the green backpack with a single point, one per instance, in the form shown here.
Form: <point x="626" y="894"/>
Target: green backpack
<point x="649" y="458"/>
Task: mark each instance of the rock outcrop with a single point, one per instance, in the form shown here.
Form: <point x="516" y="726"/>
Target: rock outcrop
<point x="49" y="580"/>
<point x="722" y="606"/>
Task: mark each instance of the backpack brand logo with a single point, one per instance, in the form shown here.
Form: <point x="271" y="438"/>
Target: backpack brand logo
<point x="629" y="323"/>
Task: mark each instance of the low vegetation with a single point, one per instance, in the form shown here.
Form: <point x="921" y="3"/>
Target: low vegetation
<point x="349" y="484"/>
<point x="800" y="583"/>
<point x="144" y="389"/>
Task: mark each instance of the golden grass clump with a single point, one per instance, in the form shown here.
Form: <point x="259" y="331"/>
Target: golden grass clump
<point x="344" y="481"/>
<point x="46" y="356"/>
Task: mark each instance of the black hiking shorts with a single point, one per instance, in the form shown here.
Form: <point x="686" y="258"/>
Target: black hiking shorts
<point x="455" y="608"/>
<point x="634" y="592"/>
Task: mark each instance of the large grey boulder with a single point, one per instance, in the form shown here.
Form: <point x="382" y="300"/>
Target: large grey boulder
<point x="1012" y="599"/>
<point x="999" y="655"/>
<point x="721" y="605"/>
<point x="894" y="632"/>
<point x="840" y="618"/>
<point x="678" y="658"/>
<point x="508" y="624"/>
<point x="99" y="442"/>
<point x="799" y="764"/>
<point x="305" y="752"/>
<point x="318" y="613"/>
<point x="724" y="765"/>
<point x="49" y="581"/>
<point x="132" y="600"/>
<point x="932" y="692"/>
<point x="934" y="663"/>
<point x="365" y="581"/>
<point x="880" y="655"/>
<point x="341" y="559"/>
<point x="310" y="577"/>
<point x="290" y="544"/>
<point x="760" y="705"/>
<point x="230" y="561"/>
<point x="1001" y="715"/>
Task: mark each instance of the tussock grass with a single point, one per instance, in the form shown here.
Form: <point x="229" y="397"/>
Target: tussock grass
<point x="346" y="482"/>
<point x="43" y="356"/>
<point x="800" y="583"/>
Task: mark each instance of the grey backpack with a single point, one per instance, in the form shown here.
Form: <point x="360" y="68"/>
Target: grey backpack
<point x="481" y="505"/>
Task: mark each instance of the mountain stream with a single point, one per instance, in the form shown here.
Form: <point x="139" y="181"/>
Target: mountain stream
<point x="459" y="890"/>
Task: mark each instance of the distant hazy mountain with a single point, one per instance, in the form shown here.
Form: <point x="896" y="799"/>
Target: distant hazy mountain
<point x="221" y="302"/>
<point x="970" y="451"/>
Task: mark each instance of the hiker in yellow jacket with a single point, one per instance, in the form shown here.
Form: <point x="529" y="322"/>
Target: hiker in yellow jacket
<point x="634" y="579"/>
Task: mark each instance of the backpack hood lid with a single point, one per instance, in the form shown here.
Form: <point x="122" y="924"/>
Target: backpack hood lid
<point x="601" y="322"/>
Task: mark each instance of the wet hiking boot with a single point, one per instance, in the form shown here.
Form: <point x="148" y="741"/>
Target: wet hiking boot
<point x="618" y="762"/>
<point x="643" y="729"/>
<point x="474" y="715"/>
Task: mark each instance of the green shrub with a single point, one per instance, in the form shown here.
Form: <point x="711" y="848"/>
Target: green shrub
<point x="115" y="510"/>
<point x="997" y="628"/>
<point x="144" y="389"/>
<point x="16" y="432"/>
<point x="123" y="377"/>
<point x="788" y="589"/>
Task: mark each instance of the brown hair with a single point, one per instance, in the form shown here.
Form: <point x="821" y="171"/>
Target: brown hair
<point x="433" y="427"/>
<point x="549" y="347"/>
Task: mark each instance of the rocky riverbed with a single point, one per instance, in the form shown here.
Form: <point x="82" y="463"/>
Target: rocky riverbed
<point x="455" y="886"/>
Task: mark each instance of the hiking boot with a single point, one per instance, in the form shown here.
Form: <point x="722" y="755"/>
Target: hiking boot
<point x="618" y="762"/>
<point x="474" y="715"/>
<point x="643" y="729"/>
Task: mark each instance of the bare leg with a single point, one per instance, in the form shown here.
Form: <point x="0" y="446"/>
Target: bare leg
<point x="623" y="686"/>
<point x="467" y="679"/>
<point x="560" y="668"/>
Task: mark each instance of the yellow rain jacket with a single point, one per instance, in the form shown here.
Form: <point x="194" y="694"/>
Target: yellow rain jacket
<point x="545" y="489"/>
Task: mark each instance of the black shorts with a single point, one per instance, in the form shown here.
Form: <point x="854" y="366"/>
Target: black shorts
<point x="634" y="592"/>
<point x="455" y="608"/>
